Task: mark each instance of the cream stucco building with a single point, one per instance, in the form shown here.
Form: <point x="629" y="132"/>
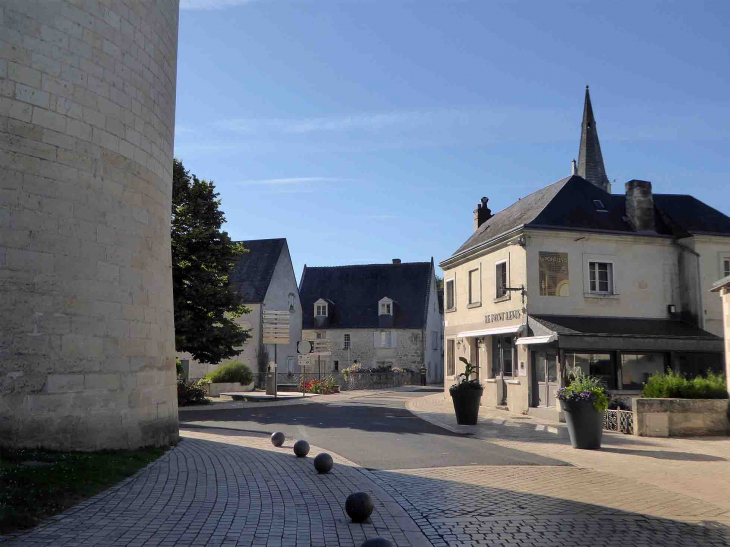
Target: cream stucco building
<point x="723" y="288"/>
<point x="573" y="276"/>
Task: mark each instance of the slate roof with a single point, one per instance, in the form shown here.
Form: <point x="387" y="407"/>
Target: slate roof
<point x="573" y="325"/>
<point x="255" y="269"/>
<point x="356" y="290"/>
<point x="568" y="204"/>
<point x="692" y="215"/>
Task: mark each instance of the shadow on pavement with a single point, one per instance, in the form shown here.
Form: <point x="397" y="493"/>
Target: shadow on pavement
<point x="666" y="455"/>
<point x="207" y="491"/>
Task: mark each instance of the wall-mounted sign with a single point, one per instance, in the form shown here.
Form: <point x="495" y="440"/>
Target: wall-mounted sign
<point x="554" y="274"/>
<point x="502" y="316"/>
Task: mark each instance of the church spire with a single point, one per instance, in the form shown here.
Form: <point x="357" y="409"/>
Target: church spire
<point x="590" y="159"/>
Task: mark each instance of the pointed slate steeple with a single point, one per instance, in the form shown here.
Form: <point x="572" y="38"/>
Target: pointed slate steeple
<point x="590" y="159"/>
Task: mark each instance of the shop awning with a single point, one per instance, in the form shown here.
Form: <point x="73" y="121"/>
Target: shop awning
<point x="489" y="332"/>
<point x="623" y="333"/>
<point x="525" y="340"/>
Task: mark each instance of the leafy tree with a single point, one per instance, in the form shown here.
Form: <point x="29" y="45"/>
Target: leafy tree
<point x="203" y="257"/>
<point x="439" y="283"/>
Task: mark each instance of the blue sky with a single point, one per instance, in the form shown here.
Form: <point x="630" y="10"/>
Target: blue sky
<point x="365" y="130"/>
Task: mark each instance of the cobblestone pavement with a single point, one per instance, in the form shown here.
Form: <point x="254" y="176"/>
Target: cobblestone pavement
<point x="222" y="489"/>
<point x="633" y="492"/>
<point x="232" y="487"/>
<point x="700" y="466"/>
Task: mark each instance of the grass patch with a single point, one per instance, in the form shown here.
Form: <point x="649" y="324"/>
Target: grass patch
<point x="36" y="484"/>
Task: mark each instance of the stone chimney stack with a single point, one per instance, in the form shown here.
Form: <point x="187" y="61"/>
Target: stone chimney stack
<point x="481" y="214"/>
<point x="396" y="261"/>
<point x="640" y="205"/>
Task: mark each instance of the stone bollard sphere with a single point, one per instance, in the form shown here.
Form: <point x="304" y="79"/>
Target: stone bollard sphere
<point x="377" y="542"/>
<point x="323" y="463"/>
<point x="278" y="438"/>
<point x="359" y="506"/>
<point x="301" y="448"/>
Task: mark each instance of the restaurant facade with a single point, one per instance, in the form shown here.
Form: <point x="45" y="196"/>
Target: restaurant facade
<point x="573" y="277"/>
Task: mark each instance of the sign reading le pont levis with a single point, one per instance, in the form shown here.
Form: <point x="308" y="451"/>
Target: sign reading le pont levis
<point x="502" y="316"/>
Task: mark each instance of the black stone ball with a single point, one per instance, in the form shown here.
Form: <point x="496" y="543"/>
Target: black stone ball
<point x="377" y="542"/>
<point x="323" y="463"/>
<point x="359" y="506"/>
<point x="301" y="448"/>
<point x="278" y="438"/>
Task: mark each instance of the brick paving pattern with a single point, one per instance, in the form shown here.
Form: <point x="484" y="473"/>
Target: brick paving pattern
<point x="222" y="489"/>
<point x="634" y="492"/>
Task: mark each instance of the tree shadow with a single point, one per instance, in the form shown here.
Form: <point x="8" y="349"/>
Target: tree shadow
<point x="667" y="455"/>
<point x="212" y="491"/>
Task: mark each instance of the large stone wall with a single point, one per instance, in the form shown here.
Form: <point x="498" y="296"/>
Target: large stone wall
<point x="87" y="111"/>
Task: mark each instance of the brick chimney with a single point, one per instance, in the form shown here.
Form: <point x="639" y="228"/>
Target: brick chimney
<point x="396" y="261"/>
<point x="640" y="205"/>
<point x="481" y="214"/>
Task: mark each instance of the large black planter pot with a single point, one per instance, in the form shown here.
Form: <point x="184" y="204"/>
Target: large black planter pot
<point x="585" y="424"/>
<point x="466" y="405"/>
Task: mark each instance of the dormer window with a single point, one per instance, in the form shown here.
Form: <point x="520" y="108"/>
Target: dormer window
<point x="320" y="308"/>
<point x="385" y="306"/>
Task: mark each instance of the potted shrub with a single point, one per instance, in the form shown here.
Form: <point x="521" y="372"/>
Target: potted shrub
<point x="584" y="402"/>
<point x="466" y="395"/>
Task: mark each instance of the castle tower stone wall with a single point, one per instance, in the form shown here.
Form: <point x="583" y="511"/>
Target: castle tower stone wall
<point x="87" y="113"/>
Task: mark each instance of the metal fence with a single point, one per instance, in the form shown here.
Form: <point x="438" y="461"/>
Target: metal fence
<point x="619" y="420"/>
<point x="359" y="380"/>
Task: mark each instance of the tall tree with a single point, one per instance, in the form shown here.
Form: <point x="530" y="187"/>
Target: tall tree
<point x="203" y="257"/>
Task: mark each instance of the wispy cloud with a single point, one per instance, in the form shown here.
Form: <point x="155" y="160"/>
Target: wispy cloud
<point x="180" y="129"/>
<point x="292" y="181"/>
<point x="212" y="4"/>
<point x="380" y="217"/>
<point x="362" y="122"/>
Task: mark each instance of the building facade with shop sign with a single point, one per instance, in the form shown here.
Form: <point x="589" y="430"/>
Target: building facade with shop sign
<point x="575" y="277"/>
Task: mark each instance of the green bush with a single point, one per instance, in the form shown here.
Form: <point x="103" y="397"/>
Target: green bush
<point x="190" y="393"/>
<point x="230" y="373"/>
<point x="673" y="385"/>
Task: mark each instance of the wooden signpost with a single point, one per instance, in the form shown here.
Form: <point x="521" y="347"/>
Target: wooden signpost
<point x="275" y="330"/>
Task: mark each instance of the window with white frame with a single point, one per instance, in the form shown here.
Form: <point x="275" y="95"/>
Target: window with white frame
<point x="600" y="277"/>
<point x="500" y="276"/>
<point x="386" y="308"/>
<point x="475" y="296"/>
<point x="450" y="358"/>
<point x="385" y="339"/>
<point x="320" y="310"/>
<point x="449" y="292"/>
<point x="320" y="335"/>
<point x="347" y="341"/>
<point x="289" y="364"/>
<point x="725" y="266"/>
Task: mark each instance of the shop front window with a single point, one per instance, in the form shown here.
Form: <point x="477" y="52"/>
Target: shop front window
<point x="502" y="356"/>
<point x="636" y="368"/>
<point x="692" y="365"/>
<point x="591" y="364"/>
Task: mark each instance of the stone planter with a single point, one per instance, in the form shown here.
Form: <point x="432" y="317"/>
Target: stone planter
<point x="585" y="424"/>
<point x="466" y="405"/>
<point x="680" y="417"/>
<point x="214" y="390"/>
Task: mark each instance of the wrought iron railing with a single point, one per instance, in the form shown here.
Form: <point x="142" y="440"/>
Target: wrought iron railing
<point x="619" y="420"/>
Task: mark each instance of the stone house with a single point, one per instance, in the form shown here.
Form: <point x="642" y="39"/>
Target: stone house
<point x="265" y="278"/>
<point x="572" y="276"/>
<point x="375" y="314"/>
